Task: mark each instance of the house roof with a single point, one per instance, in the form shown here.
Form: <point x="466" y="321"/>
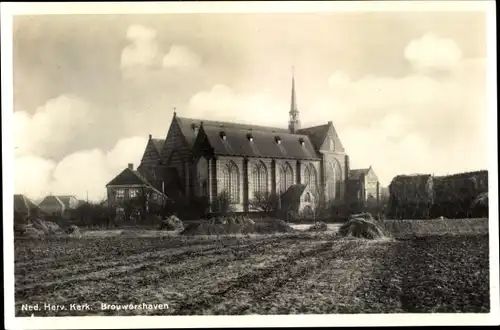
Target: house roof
<point x="186" y="125"/>
<point x="65" y="199"/>
<point x="357" y="173"/>
<point x="23" y="204"/>
<point x="128" y="177"/>
<point x="263" y="144"/>
<point x="52" y="201"/>
<point x="158" y="144"/>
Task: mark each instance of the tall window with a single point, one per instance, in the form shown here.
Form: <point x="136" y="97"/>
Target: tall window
<point x="333" y="180"/>
<point x="202" y="171"/>
<point x="307" y="198"/>
<point x="259" y="178"/>
<point x="311" y="178"/>
<point x="231" y="181"/>
<point x="285" y="177"/>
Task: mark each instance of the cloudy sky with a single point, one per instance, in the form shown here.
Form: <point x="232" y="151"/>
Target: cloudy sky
<point x="406" y="91"/>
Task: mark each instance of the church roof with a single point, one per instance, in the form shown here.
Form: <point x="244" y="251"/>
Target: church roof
<point x="319" y="133"/>
<point x="263" y="143"/>
<point x="158" y="144"/>
<point x="186" y="125"/>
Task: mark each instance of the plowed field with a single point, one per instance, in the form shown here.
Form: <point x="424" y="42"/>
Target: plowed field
<point x="275" y="274"/>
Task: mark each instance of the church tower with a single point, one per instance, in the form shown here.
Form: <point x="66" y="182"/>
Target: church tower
<point x="294" y="121"/>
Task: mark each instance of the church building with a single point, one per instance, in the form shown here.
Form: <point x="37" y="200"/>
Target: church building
<point x="202" y="157"/>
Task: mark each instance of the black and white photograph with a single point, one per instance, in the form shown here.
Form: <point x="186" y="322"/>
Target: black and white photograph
<point x="244" y="164"/>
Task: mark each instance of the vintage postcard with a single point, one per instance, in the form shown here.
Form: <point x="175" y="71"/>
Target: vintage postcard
<point x="211" y="164"/>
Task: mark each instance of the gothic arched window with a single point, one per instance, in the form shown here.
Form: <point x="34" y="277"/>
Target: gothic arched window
<point x="259" y="178"/>
<point x="311" y="178"/>
<point x="307" y="198"/>
<point x="202" y="172"/>
<point x="333" y="179"/>
<point x="231" y="182"/>
<point x="285" y="177"/>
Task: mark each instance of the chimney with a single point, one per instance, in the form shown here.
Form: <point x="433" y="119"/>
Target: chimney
<point x="150" y="136"/>
<point x="330" y="122"/>
<point x="131" y="166"/>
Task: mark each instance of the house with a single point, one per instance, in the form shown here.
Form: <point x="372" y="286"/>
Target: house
<point x="202" y="158"/>
<point x="131" y="184"/>
<point x="364" y="186"/>
<point x="298" y="200"/>
<point x="58" y="205"/>
<point x="23" y="206"/>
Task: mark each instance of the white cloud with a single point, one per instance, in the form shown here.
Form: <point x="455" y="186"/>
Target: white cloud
<point x="53" y="128"/>
<point x="223" y="103"/>
<point x="143" y="48"/>
<point x="86" y="171"/>
<point x="411" y="124"/>
<point x="180" y="57"/>
<point x="433" y="52"/>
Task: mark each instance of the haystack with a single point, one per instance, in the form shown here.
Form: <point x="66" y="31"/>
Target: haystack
<point x="366" y="216"/>
<point x="171" y="223"/>
<point x="361" y="228"/>
<point x="319" y="226"/>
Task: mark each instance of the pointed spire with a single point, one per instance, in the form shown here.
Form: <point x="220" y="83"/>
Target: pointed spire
<point x="293" y="105"/>
<point x="294" y="122"/>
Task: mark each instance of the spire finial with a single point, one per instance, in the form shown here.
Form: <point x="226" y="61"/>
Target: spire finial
<point x="175" y="112"/>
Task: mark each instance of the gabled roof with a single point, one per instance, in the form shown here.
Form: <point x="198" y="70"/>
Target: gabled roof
<point x="264" y="143"/>
<point x="52" y="201"/>
<point x="23" y="204"/>
<point x="158" y="144"/>
<point x="319" y="133"/>
<point x="65" y="199"/>
<point x="186" y="125"/>
<point x="128" y="177"/>
<point x="357" y="173"/>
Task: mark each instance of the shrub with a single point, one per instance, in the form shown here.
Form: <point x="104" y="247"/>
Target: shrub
<point x="225" y="226"/>
<point x="361" y="228"/>
<point x="171" y="223"/>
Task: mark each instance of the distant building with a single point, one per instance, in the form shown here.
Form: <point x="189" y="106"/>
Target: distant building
<point x="23" y="206"/>
<point x="58" y="205"/>
<point x="364" y="186"/>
